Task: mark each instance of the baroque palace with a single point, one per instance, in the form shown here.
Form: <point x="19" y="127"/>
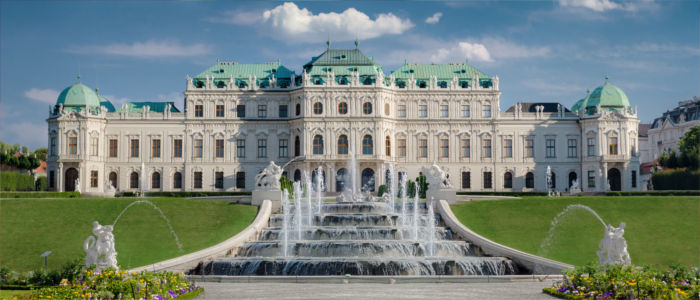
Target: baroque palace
<point x="238" y="117"/>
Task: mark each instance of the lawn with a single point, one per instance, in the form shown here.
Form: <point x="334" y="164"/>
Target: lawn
<point x="661" y="230"/>
<point x="28" y="227"/>
<point x="9" y="294"/>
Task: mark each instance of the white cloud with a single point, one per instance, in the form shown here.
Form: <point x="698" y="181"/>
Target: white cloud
<point x="149" y="49"/>
<point x="434" y="18"/>
<point x="42" y="95"/>
<point x="238" y="17"/>
<point x="501" y="48"/>
<point x="32" y="134"/>
<point x="460" y="51"/>
<point x="290" y="23"/>
<point x="605" y="5"/>
<point x="116" y="101"/>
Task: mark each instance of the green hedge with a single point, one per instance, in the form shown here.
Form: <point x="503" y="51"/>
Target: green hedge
<point x="39" y="195"/>
<point x="42" y="183"/>
<point x="190" y="194"/>
<point x="678" y="179"/>
<point x="513" y="194"/>
<point x="653" y="193"/>
<point x="14" y="181"/>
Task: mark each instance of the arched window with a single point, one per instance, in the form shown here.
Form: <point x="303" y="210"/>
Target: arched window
<point x="340" y="179"/>
<point x="155" y="180"/>
<point x="342" y="144"/>
<point x="318" y="108"/>
<point x="388" y="146"/>
<point x="113" y="179"/>
<point x="318" y="144"/>
<point x="572" y="178"/>
<point x="297" y="175"/>
<point x="314" y="174"/>
<point x="530" y="180"/>
<point x="368" y="180"/>
<point x="367" y="145"/>
<point x="177" y="180"/>
<point x="297" y="146"/>
<point x="298" y="109"/>
<point x="387" y="109"/>
<point x="367" y="108"/>
<point x="134" y="180"/>
<point x="508" y="180"/>
<point x="553" y="184"/>
<point x="342" y="108"/>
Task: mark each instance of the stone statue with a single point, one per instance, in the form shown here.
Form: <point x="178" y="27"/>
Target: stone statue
<point x="436" y="177"/>
<point x="77" y="185"/>
<point x="269" y="178"/>
<point x="613" y="247"/>
<point x="109" y="187"/>
<point x="575" y="186"/>
<point x="99" y="249"/>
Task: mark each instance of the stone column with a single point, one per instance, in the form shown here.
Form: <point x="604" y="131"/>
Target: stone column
<point x="59" y="178"/>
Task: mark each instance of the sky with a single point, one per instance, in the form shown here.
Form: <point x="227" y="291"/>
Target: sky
<point x="544" y="51"/>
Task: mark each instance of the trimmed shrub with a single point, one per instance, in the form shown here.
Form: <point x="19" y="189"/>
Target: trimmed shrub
<point x="513" y="194"/>
<point x="14" y="181"/>
<point x="286" y="184"/>
<point x="679" y="179"/>
<point x="41" y="183"/>
<point x="39" y="195"/>
<point x="653" y="193"/>
<point x="382" y="189"/>
<point x="188" y="194"/>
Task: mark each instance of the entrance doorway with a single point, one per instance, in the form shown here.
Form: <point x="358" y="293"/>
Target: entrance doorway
<point x="71" y="176"/>
<point x="614" y="179"/>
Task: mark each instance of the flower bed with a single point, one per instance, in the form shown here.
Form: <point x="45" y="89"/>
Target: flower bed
<point x="111" y="284"/>
<point x="627" y="282"/>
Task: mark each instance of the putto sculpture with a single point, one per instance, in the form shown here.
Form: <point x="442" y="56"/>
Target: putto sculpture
<point x="269" y="178"/>
<point x="436" y="177"/>
<point x="613" y="247"/>
<point x="99" y="249"/>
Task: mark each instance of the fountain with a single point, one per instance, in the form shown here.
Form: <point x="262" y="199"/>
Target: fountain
<point x="357" y="238"/>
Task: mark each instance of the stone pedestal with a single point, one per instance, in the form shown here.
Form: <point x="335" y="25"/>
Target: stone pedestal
<point x="449" y="195"/>
<point x="275" y="196"/>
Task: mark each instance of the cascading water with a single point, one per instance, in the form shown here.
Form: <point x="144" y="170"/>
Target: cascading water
<point x="404" y="199"/>
<point x="357" y="238"/>
<point x="392" y="184"/>
<point x="319" y="190"/>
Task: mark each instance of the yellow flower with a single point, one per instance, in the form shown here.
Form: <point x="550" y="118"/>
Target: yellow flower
<point x="681" y="292"/>
<point x="49" y="297"/>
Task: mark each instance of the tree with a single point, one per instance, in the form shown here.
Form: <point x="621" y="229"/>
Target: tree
<point x="422" y="185"/>
<point x="41" y="153"/>
<point x="689" y="146"/>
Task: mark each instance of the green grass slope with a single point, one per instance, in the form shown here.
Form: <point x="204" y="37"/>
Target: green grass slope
<point x="28" y="227"/>
<point x="661" y="230"/>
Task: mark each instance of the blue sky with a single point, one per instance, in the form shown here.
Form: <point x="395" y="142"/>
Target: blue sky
<point x="541" y="50"/>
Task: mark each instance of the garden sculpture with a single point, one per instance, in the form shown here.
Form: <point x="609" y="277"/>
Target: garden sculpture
<point x="269" y="178"/>
<point x="99" y="249"/>
<point x="613" y="247"/>
<point x="436" y="176"/>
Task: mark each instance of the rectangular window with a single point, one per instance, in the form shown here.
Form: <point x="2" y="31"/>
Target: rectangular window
<point x="52" y="179"/>
<point x="94" y="149"/>
<point x="198" y="147"/>
<point x="240" y="180"/>
<point x="466" y="148"/>
<point x="486" y="148"/>
<point x="422" y="148"/>
<point x="240" y="111"/>
<point x="486" y="111"/>
<point x="550" y="147"/>
<point x="422" y="111"/>
<point x="197" y="180"/>
<point x="444" y="111"/>
<point x="529" y="147"/>
<point x="155" y="148"/>
<point x="402" y="111"/>
<point x="262" y="148"/>
<point x="219" y="148"/>
<point x="177" y="148"/>
<point x="591" y="146"/>
<point x="240" y="148"/>
<point x="134" y="148"/>
<point x="612" y="145"/>
<point x="634" y="179"/>
<point x="465" y="111"/>
<point x="94" y="180"/>
<point x="199" y="110"/>
<point x="402" y="147"/>
<point x="53" y="146"/>
<point x="571" y="146"/>
<point x="591" y="179"/>
<point x="219" y="111"/>
<point x="466" y="180"/>
<point x="444" y="148"/>
<point x="508" y="148"/>
<point x="488" y="180"/>
<point x="219" y="180"/>
<point x="262" y="111"/>
<point x="113" y="148"/>
<point x="73" y="145"/>
<point x="284" y="148"/>
<point x="283" y="111"/>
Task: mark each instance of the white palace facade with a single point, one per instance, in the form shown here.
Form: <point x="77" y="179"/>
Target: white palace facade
<point x="238" y="117"/>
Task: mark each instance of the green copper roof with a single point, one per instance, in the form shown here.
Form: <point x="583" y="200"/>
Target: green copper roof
<point x="224" y="70"/>
<point x="155" y="106"/>
<point x="107" y="104"/>
<point x="580" y="104"/>
<point x="443" y="72"/>
<point x="341" y="57"/>
<point x="78" y="95"/>
<point x="607" y="96"/>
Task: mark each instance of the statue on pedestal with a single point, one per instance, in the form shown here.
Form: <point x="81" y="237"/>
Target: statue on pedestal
<point x="99" y="249"/>
<point x="436" y="177"/>
<point x="269" y="178"/>
<point x="613" y="247"/>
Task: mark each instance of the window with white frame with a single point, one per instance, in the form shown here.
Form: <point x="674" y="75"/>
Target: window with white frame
<point x="444" y="111"/>
<point x="422" y="148"/>
<point x="571" y="148"/>
<point x="465" y="111"/>
<point x="94" y="148"/>
<point x="422" y="111"/>
<point x="444" y="148"/>
<point x="508" y="147"/>
<point x="466" y="148"/>
<point x="550" y="145"/>
<point x="486" y="148"/>
<point x="529" y="147"/>
<point x="590" y="146"/>
<point x="401" y="111"/>
<point x="486" y="111"/>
